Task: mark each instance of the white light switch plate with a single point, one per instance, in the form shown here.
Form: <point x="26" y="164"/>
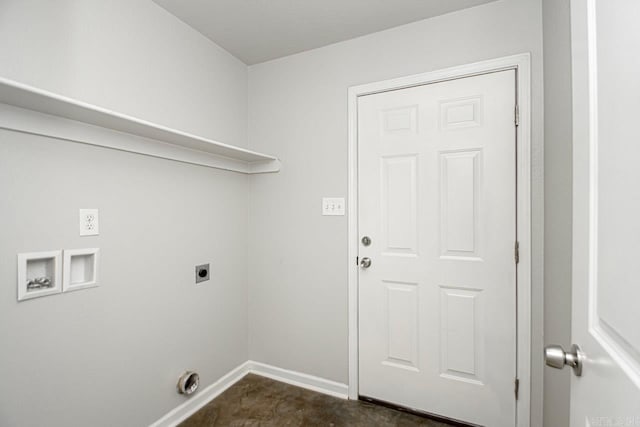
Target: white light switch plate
<point x="333" y="206"/>
<point x="89" y="222"/>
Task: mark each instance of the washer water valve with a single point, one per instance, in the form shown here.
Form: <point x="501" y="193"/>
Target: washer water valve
<point x="188" y="383"/>
<point x="39" y="283"/>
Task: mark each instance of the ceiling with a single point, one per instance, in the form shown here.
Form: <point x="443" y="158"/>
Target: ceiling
<point x="260" y="30"/>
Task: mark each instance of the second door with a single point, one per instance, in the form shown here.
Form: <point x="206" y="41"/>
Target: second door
<point x="437" y="201"/>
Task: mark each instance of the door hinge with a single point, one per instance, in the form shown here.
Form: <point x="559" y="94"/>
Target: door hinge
<point x="517" y="387"/>
<point x="516" y="252"/>
<point x="357" y="260"/>
<point x="517" y="115"/>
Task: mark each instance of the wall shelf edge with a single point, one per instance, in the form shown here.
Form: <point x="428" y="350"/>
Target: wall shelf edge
<point x="31" y="110"/>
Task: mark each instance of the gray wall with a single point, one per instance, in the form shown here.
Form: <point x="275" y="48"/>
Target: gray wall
<point x="298" y="109"/>
<point x="558" y="201"/>
<point x="130" y="56"/>
<point x="111" y="355"/>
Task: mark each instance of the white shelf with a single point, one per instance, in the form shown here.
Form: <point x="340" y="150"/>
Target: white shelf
<point x="32" y="110"/>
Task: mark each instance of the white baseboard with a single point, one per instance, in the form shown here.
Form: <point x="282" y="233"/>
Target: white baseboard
<point x="191" y="406"/>
<point x="299" y="379"/>
<point x="310" y="382"/>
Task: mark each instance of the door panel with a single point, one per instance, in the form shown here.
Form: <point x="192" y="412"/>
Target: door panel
<point x="399" y="205"/>
<point x="402" y="324"/>
<point x="605" y="315"/>
<point x="437" y="196"/>
<point x="459" y="186"/>
<point x="461" y="335"/>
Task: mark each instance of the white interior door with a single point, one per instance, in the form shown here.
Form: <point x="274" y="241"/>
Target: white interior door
<point x="437" y="198"/>
<point x="606" y="269"/>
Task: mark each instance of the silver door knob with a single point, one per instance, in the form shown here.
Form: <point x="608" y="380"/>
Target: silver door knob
<point x="365" y="263"/>
<point x="556" y="357"/>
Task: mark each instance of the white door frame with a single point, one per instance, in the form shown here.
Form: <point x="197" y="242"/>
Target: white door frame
<point x="521" y="64"/>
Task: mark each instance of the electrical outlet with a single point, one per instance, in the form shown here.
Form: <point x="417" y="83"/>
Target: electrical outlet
<point x="333" y="206"/>
<point x="89" y="222"/>
<point x="202" y="273"/>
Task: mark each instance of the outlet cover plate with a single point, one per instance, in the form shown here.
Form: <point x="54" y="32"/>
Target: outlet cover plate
<point x="333" y="206"/>
<point x="89" y="224"/>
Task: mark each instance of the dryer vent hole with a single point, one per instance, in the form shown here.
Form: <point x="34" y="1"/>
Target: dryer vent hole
<point x="188" y="383"/>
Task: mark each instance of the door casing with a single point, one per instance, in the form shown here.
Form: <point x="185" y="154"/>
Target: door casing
<point x="521" y="64"/>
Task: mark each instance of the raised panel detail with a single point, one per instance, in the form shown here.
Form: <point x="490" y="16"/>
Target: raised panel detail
<point x="403" y="120"/>
<point x="460" y="174"/>
<point x="461" y="333"/>
<point x="399" y="205"/>
<point x="402" y="324"/>
<point x="461" y="113"/>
